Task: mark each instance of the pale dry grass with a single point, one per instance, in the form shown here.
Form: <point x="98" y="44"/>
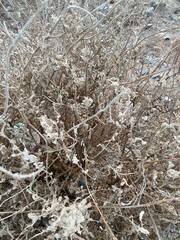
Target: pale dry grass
<point x="89" y="121"/>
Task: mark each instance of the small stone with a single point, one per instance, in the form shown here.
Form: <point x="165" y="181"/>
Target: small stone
<point x="177" y="11"/>
<point x="156" y="76"/>
<point x="144" y="71"/>
<point x="148" y="26"/>
<point x="154" y="4"/>
<point x="149" y="11"/>
<point x="167" y="38"/>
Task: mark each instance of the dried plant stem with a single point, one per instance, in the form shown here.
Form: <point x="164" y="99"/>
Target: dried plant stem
<point x="154" y="225"/>
<point x="19" y="176"/>
<point x="100" y="212"/>
<point x="159" y="202"/>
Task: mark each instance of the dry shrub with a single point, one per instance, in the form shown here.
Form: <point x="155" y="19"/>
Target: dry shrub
<point x="89" y="110"/>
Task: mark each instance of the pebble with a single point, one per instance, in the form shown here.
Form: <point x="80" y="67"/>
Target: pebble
<point x="149" y="11"/>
